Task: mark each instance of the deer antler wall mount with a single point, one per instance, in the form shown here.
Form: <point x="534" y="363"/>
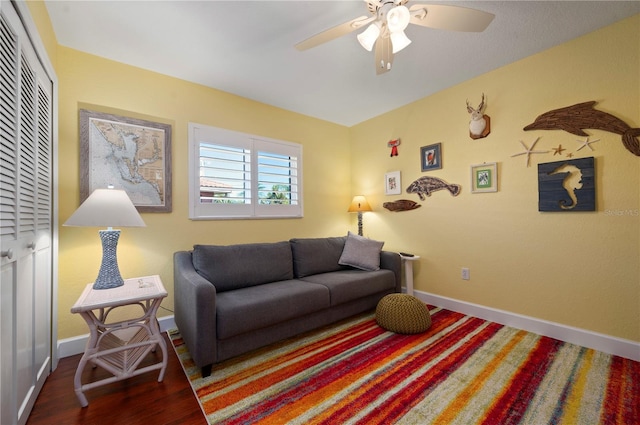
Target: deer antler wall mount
<point x="480" y="124"/>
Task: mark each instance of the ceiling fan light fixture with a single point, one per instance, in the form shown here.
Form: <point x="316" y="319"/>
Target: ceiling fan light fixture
<point x="398" y="19"/>
<point x="368" y="37"/>
<point x="399" y="41"/>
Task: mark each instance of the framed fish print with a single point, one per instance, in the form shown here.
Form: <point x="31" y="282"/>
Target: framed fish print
<point x="392" y="184"/>
<point x="431" y="157"/>
<point x="484" y="177"/>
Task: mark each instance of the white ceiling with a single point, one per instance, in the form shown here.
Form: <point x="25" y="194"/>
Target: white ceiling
<point x="247" y="47"/>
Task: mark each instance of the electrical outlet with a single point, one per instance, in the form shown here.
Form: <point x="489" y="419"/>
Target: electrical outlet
<point x="465" y="273"/>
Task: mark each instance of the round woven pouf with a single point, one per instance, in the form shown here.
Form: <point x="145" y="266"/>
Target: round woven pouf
<point x="403" y="314"/>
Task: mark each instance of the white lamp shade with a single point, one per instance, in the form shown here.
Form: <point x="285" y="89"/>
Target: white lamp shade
<point x="399" y="41"/>
<point x="398" y="18"/>
<point x="106" y="208"/>
<point x="368" y="37"/>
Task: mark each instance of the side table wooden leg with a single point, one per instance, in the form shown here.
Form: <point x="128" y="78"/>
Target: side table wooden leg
<point x="77" y="381"/>
<point x="163" y="347"/>
<point x="89" y="351"/>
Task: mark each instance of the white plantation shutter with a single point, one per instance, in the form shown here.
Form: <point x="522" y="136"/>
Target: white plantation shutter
<point x="226" y="173"/>
<point x="237" y="175"/>
<point x="279" y="179"/>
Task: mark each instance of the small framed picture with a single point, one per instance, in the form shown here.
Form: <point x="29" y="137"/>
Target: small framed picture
<point x="431" y="157"/>
<point x="484" y="178"/>
<point x="392" y="184"/>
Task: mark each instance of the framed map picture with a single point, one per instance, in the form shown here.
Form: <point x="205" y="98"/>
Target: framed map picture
<point x="131" y="154"/>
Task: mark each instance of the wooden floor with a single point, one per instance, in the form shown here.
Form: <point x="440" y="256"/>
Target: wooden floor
<point x="138" y="400"/>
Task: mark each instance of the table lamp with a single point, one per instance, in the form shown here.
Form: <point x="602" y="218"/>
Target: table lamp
<point x="107" y="208"/>
<point x="359" y="204"/>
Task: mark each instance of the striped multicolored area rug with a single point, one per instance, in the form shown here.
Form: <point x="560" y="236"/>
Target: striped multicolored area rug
<point x="463" y="370"/>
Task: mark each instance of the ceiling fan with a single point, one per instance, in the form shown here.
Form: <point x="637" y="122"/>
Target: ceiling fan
<point x="387" y="23"/>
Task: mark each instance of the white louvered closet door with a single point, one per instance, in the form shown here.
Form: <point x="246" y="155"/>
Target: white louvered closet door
<point x="26" y="190"/>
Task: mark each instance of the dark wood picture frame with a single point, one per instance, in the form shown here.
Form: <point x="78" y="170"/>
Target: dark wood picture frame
<point x="135" y="153"/>
<point x="431" y="157"/>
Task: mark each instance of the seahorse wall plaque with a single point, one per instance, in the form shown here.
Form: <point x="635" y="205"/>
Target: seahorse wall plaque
<point x="567" y="185"/>
<point x="574" y="119"/>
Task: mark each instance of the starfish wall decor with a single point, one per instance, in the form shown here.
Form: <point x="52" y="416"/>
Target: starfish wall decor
<point x="528" y="151"/>
<point x="558" y="150"/>
<point x="586" y="143"/>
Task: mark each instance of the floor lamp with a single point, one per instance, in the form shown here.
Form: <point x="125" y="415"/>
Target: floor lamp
<point x="359" y="204"/>
<point x="107" y="208"/>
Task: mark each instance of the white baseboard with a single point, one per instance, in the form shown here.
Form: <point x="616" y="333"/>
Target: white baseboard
<point x="76" y="345"/>
<point x="601" y="342"/>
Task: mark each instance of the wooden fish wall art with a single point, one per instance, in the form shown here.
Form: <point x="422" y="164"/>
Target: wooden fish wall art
<point x="425" y="186"/>
<point x="401" y="205"/>
<point x="574" y="119"/>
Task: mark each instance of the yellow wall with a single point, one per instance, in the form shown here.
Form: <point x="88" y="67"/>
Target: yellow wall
<point x="578" y="269"/>
<point x="40" y="17"/>
<point x="95" y="83"/>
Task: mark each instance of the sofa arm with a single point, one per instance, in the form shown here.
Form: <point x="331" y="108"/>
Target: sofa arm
<point x="195" y="310"/>
<point x="391" y="261"/>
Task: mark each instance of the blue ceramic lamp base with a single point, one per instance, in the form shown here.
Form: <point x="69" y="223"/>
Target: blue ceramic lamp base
<point x="109" y="274"/>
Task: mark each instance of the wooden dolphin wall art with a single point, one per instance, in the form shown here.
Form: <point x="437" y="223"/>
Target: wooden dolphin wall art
<point x="574" y="119"/>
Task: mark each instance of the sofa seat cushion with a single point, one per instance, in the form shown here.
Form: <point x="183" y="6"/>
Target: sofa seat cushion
<point x="349" y="285"/>
<point x="316" y="255"/>
<point x="238" y="266"/>
<point x="256" y="307"/>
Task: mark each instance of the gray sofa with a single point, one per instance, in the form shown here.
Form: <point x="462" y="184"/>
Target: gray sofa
<point x="233" y="299"/>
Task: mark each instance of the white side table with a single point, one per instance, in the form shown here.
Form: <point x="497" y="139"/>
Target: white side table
<point x="119" y="347"/>
<point x="408" y="271"/>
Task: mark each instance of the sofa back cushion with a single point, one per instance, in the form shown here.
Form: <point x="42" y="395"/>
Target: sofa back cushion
<point x="316" y="255"/>
<point x="239" y="266"/>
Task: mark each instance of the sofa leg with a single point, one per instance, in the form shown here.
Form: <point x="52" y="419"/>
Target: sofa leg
<point x="206" y="370"/>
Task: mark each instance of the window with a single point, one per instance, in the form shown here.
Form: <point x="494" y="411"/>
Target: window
<point x="236" y="175"/>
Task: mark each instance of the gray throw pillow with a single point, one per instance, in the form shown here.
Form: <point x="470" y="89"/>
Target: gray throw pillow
<point x="361" y="253"/>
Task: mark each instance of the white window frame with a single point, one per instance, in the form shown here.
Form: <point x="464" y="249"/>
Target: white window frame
<point x="199" y="134"/>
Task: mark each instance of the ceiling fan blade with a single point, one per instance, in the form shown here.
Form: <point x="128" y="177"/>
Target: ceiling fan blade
<point x="335" y="32"/>
<point x="383" y="54"/>
<point x="453" y="18"/>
